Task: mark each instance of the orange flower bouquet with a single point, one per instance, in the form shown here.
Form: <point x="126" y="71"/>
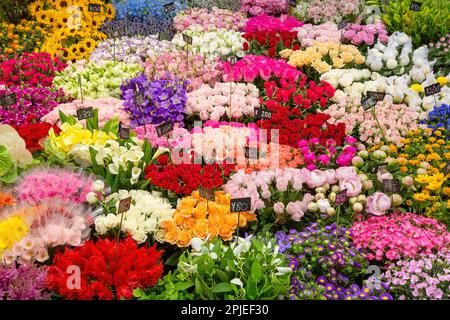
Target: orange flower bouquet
<point x="197" y="217"/>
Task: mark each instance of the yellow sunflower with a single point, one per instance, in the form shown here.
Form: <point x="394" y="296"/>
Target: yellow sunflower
<point x="110" y="11"/>
<point x="62" y="4"/>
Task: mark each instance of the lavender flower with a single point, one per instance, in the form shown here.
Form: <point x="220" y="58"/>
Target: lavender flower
<point x="155" y="102"/>
<point x="26" y="282"/>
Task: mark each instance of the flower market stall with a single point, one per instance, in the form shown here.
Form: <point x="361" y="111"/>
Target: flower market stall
<point x="225" y="150"/>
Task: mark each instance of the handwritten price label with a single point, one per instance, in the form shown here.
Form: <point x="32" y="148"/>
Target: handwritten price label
<point x="124" y="132"/>
<point x="187" y="39"/>
<point x="8" y="100"/>
<point x="377" y="96"/>
<point x="368" y="103"/>
<point x="251" y="153"/>
<point x="169" y="7"/>
<point x="85" y="113"/>
<point x="341" y="197"/>
<point x="164" y="128"/>
<point x="263" y="113"/>
<point x="124" y="205"/>
<point x="342" y="24"/>
<point x="415" y="6"/>
<point x="292" y="3"/>
<point x="378" y="167"/>
<point x="433" y="89"/>
<point x="94" y="7"/>
<point x="240" y="204"/>
<point x="391" y="185"/>
<point x="208" y="194"/>
<point x="139" y="98"/>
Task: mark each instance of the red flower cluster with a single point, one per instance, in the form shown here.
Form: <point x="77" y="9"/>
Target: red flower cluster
<point x="185" y="178"/>
<point x="34" y="133"/>
<point x="307" y="95"/>
<point x="270" y="43"/>
<point x="107" y="270"/>
<point x="30" y="68"/>
<point x="292" y="128"/>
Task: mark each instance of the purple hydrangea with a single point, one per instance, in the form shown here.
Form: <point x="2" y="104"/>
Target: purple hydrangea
<point x="155" y="102"/>
<point x="25" y="282"/>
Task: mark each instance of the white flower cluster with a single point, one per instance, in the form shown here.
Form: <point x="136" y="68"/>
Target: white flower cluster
<point x="114" y="156"/>
<point x="396" y="53"/>
<point x="144" y="217"/>
<point x="222" y="43"/>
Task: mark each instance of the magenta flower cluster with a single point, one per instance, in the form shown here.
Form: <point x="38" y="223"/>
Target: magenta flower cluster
<point x="400" y="235"/>
<point x="32" y="104"/>
<point x="25" y="282"/>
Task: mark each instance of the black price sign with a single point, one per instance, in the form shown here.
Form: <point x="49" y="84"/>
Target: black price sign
<point x="164" y="128"/>
<point x="433" y="89"/>
<point x="377" y="96"/>
<point x="292" y="3"/>
<point x="169" y="7"/>
<point x="240" y="204"/>
<point x="94" y="7"/>
<point x="124" y="132"/>
<point x="8" y="100"/>
<point x="391" y="185"/>
<point x="124" y="205"/>
<point x="341" y="197"/>
<point x="342" y="24"/>
<point x="187" y="39"/>
<point x="232" y="60"/>
<point x="368" y="103"/>
<point x="447" y="169"/>
<point x="263" y="113"/>
<point x="251" y="153"/>
<point x="208" y="194"/>
<point x="85" y="113"/>
<point x="378" y="167"/>
<point x="415" y="6"/>
<point x="138" y="98"/>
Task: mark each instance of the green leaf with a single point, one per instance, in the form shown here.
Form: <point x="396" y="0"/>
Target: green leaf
<point x="251" y="289"/>
<point x="64" y="118"/>
<point x="92" y="123"/>
<point x="222" y="287"/>
<point x="256" y="271"/>
<point x="112" y="125"/>
<point x="180" y="286"/>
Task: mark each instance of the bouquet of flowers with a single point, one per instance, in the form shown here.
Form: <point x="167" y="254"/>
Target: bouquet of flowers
<point x="209" y="20"/>
<point x="231" y="100"/>
<point x="163" y="100"/>
<point x="108" y="270"/>
<point x="270" y="23"/>
<point x="32" y="103"/>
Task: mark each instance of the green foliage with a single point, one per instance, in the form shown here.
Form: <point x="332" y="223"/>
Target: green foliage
<point x="252" y="269"/>
<point x="8" y="170"/>
<point x="14" y="10"/>
<point x="424" y="26"/>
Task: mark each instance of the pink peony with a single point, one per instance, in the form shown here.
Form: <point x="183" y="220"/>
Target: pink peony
<point x="378" y="203"/>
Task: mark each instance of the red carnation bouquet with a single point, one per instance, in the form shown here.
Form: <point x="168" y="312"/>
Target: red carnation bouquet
<point x="270" y="43"/>
<point x="185" y="178"/>
<point x="30" y="68"/>
<point x="34" y="134"/>
<point x="107" y="270"/>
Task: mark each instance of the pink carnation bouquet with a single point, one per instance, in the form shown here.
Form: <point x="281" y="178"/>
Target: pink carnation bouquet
<point x="209" y="20"/>
<point x="259" y="7"/>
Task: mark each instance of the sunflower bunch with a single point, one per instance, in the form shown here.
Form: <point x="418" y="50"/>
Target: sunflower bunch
<point x="26" y="36"/>
<point x="74" y="30"/>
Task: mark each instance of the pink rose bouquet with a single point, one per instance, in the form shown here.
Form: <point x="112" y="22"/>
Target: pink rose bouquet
<point x="260" y="69"/>
<point x="399" y="235"/>
<point x="108" y="108"/>
<point x="215" y="102"/>
<point x="308" y="34"/>
<point x="395" y="121"/>
<point x="358" y="34"/>
<point x="271" y="23"/>
<point x="318" y="11"/>
<point x="198" y="70"/>
<point x="259" y="7"/>
<point x="209" y="20"/>
<point x="42" y="184"/>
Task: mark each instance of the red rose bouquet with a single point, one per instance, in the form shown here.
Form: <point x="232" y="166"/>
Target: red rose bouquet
<point x="34" y="133"/>
<point x="30" y="68"/>
<point x="185" y="178"/>
<point x="106" y="270"/>
<point x="270" y="43"/>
